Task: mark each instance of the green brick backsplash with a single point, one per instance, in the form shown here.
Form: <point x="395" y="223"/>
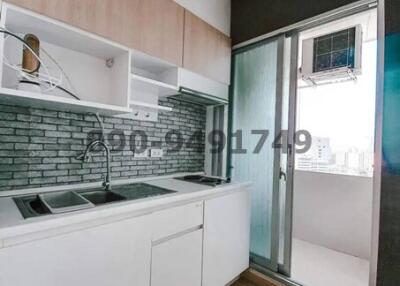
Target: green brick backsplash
<point x="38" y="147"/>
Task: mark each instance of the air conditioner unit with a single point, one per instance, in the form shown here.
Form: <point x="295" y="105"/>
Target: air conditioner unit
<point x="332" y="57"/>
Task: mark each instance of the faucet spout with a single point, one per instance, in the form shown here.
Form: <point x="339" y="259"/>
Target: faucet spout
<point x="83" y="157"/>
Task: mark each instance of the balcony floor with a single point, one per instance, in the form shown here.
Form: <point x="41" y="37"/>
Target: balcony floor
<point x="314" y="265"/>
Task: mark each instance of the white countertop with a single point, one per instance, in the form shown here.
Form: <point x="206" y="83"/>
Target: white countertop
<point x="15" y="229"/>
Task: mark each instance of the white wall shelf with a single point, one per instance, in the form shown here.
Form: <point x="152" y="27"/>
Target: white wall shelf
<point x="151" y="78"/>
<point x="145" y="85"/>
<point x="29" y="99"/>
<point x="153" y="68"/>
<point x="82" y="55"/>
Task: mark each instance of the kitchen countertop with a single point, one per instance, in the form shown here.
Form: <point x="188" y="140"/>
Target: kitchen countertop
<point x="14" y="229"/>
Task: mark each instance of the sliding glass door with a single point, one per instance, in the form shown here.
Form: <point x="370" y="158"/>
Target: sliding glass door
<point x="258" y="142"/>
<point x="256" y="101"/>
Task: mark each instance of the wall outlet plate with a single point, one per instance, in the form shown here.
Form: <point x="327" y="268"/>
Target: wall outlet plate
<point x="156" y="153"/>
<point x="144" y="154"/>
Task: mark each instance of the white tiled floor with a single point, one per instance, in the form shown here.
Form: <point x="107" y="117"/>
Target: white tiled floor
<point x="314" y="265"/>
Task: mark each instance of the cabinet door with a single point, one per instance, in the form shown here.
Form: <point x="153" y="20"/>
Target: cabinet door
<point x="177" y="262"/>
<point x="113" y="254"/>
<point x="175" y="220"/>
<point x="207" y="51"/>
<point x="154" y="27"/>
<point x="158" y="29"/>
<point x="226" y="238"/>
<point x="89" y="15"/>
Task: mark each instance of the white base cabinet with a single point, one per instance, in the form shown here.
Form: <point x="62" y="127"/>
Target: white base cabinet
<point x="226" y="238"/>
<point x="204" y="243"/>
<point x="113" y="254"/>
<point x="177" y="262"/>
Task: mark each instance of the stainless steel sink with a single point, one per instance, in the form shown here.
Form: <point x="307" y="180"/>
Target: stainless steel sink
<point x="50" y="203"/>
<point x="46" y="204"/>
<point x="31" y="206"/>
<point x="100" y="197"/>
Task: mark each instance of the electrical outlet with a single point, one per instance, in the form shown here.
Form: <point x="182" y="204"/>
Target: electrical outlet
<point x="144" y="154"/>
<point x="156" y="153"/>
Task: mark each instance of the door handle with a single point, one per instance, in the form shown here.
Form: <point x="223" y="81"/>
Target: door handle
<point x="282" y="174"/>
<point x="289" y="153"/>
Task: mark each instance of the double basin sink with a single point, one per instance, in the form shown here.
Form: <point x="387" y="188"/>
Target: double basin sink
<point x="61" y="202"/>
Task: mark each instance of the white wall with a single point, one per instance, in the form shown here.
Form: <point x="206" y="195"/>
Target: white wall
<point x="334" y="211"/>
<point x="215" y="12"/>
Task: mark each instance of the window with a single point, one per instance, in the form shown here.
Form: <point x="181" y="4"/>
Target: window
<point x="340" y="118"/>
<point x="335" y="50"/>
<point x="338" y="113"/>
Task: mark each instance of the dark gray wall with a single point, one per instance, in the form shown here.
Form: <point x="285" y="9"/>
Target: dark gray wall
<point x="392" y="20"/>
<point x="37" y="147"/>
<point x="388" y="270"/>
<point x="252" y="18"/>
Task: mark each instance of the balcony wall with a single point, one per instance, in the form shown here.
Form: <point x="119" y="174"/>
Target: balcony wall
<point x="334" y="211"/>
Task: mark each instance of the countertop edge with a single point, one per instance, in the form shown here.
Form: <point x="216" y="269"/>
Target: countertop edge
<point x="66" y="223"/>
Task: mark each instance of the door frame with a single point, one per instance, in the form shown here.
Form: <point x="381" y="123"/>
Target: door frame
<point x="282" y="274"/>
<point x="285" y="268"/>
<point x="272" y="263"/>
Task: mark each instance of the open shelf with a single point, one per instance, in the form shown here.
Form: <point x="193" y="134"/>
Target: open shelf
<point x="81" y="55"/>
<point x="151" y="78"/>
<point x="154" y="68"/>
<point x="29" y="99"/>
<point x="150" y="86"/>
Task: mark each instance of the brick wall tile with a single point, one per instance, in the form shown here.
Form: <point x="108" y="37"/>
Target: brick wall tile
<point x="38" y="147"/>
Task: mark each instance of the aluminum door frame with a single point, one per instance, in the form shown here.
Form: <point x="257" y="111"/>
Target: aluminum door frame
<point x="272" y="263"/>
<point x="285" y="268"/>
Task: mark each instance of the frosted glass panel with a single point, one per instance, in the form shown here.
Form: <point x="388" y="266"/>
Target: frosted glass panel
<point x="254" y="98"/>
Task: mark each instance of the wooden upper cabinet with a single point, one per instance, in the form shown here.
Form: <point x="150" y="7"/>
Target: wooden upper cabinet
<point x="95" y="16"/>
<point x="154" y="27"/>
<point x="207" y="51"/>
<point x="158" y="26"/>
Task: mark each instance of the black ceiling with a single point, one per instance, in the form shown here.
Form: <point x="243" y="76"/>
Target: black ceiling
<point x="252" y="18"/>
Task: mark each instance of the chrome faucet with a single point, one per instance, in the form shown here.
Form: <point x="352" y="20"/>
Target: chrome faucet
<point x="84" y="157"/>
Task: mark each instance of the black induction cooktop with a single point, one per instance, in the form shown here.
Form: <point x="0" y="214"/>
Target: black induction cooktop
<point x="203" y="180"/>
